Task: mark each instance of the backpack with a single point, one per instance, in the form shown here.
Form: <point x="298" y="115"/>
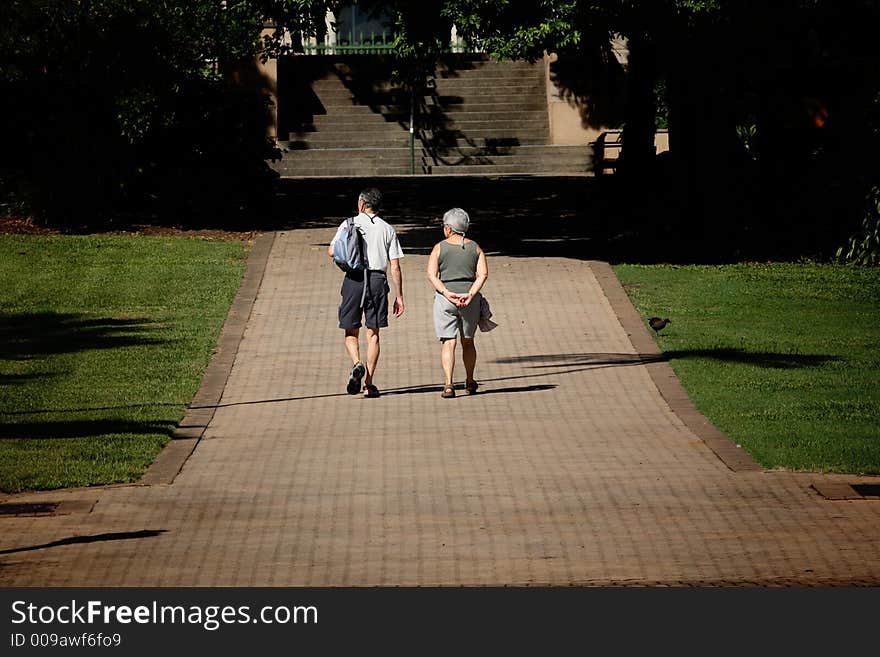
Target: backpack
<point x="349" y="251"/>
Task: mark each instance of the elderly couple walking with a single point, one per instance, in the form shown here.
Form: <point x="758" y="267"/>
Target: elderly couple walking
<point x="456" y="268"/>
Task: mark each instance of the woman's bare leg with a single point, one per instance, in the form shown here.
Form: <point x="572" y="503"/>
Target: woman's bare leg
<point x="447" y="358"/>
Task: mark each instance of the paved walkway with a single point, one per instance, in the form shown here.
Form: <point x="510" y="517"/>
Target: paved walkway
<point x="570" y="468"/>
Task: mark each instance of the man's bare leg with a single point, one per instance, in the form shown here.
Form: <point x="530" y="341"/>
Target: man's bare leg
<point x="372" y="354"/>
<point x="352" y="345"/>
<point x="358" y="370"/>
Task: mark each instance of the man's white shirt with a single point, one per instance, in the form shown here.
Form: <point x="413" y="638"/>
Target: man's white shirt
<point x="380" y="238"/>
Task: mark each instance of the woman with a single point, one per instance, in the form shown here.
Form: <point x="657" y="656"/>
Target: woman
<point x="457" y="269"/>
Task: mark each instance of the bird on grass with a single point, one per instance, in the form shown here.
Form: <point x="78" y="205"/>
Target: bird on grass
<point x="658" y="324"/>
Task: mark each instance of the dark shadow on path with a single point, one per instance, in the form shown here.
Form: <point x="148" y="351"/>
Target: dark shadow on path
<point x="96" y="538"/>
<point x="727" y="354"/>
<point x="437" y="389"/>
<point x="586" y="360"/>
<point x="572" y="216"/>
<point x="570" y="364"/>
<point x="510" y="215"/>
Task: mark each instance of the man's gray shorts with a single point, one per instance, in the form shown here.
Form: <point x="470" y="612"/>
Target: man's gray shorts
<point x="375" y="308"/>
<point x="451" y="321"/>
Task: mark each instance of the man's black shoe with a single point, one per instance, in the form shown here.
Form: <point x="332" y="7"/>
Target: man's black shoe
<point x="354" y="381"/>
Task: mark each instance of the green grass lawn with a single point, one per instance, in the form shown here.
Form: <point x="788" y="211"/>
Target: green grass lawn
<point x="103" y="342"/>
<point x="784" y="358"/>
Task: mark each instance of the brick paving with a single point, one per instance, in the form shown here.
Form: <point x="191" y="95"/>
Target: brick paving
<point x="569" y="468"/>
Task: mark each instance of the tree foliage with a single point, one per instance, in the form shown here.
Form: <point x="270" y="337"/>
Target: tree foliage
<point x="771" y="105"/>
<point x="108" y="102"/>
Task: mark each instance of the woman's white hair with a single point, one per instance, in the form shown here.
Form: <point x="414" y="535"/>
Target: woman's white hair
<point x="457" y="219"/>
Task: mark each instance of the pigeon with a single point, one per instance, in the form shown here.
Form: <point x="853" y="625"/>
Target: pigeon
<point x="657" y="324"/>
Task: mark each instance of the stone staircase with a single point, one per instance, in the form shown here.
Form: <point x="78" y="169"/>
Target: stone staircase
<point x="476" y="117"/>
<point x="487" y="117"/>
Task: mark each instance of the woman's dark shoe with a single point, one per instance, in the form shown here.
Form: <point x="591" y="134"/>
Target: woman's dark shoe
<point x="371" y="391"/>
<point x="470" y="387"/>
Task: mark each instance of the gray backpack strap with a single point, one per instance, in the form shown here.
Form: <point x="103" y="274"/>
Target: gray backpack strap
<point x="362" y="257"/>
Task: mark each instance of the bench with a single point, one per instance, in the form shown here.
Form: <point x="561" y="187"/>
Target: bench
<point x="606" y="151"/>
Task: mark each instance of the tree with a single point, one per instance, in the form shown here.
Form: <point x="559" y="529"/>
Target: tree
<point x="111" y="102"/>
<point x="516" y="29"/>
<point x="769" y="104"/>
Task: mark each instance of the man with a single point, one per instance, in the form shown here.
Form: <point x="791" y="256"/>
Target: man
<point x="383" y="255"/>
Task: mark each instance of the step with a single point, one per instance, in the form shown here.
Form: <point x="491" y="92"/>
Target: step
<point x="326" y="92"/>
<point x="402" y="161"/>
<point x="502" y="168"/>
<point x="390" y="129"/>
<point x="346" y="97"/>
<point x="536" y="152"/>
<point x="381" y="86"/>
<point x="484" y="137"/>
<point x="498" y="83"/>
<point x="459" y="103"/>
<point x="339" y="100"/>
<point x="582" y="163"/>
<point x="453" y="102"/>
<point x="361" y="90"/>
<point x="347" y="173"/>
<point x="467" y="125"/>
<point x="354" y="163"/>
<point x="359" y="152"/>
<point x="467" y="114"/>
<point x="350" y="108"/>
<point x="486" y="94"/>
<point x="464" y="125"/>
<point x="330" y="165"/>
<point x="540" y="150"/>
<point x="349" y="141"/>
<point x="488" y="81"/>
<point x="351" y="131"/>
<point x="499" y="141"/>
<point x="427" y="170"/>
<point x="326" y="121"/>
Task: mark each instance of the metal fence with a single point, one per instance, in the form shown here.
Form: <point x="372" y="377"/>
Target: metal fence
<point x="369" y="44"/>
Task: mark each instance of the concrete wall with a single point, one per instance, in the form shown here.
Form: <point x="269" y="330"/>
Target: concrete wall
<point x="262" y="77"/>
<point x="567" y="114"/>
<point x="268" y="74"/>
<point x="566" y="124"/>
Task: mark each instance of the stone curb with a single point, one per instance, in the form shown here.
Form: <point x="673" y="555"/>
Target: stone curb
<point x="733" y="456"/>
